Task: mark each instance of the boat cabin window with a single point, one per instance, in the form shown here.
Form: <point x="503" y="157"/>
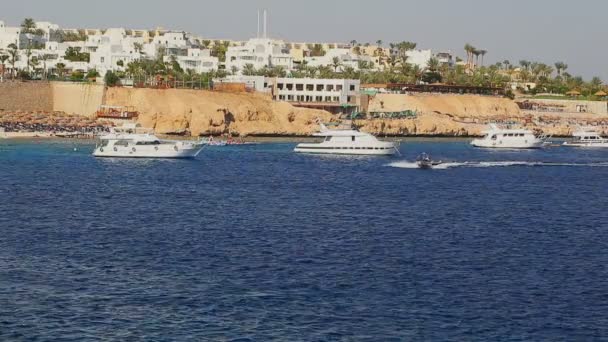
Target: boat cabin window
<point x="155" y="142"/>
<point x="122" y="143"/>
<point x="494" y="137"/>
<point x="327" y="138"/>
<point x="104" y="143"/>
<point x="353" y="137"/>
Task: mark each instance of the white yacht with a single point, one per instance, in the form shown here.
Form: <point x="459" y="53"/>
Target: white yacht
<point x="497" y="137"/>
<point x="352" y="142"/>
<point x="587" y="138"/>
<point x="132" y="141"/>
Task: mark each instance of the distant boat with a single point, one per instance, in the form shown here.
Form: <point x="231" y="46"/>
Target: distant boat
<point x="497" y="137"/>
<point x="587" y="138"/>
<point x="424" y="161"/>
<point x="131" y="141"/>
<point x="347" y="142"/>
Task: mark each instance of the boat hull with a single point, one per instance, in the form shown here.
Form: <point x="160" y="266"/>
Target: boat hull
<point x="597" y="145"/>
<point x="153" y="152"/>
<point x="346" y="150"/>
<point x="497" y="145"/>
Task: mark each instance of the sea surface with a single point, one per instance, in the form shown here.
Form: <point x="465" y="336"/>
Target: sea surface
<point x="255" y="243"/>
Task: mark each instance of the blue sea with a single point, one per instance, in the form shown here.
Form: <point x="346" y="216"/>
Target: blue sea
<point x="255" y="243"/>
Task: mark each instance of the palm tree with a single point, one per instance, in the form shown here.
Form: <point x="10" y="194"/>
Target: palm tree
<point x="353" y="43"/>
<point x="28" y="55"/>
<point x="60" y="69"/>
<point x="560" y="67"/>
<point x="403" y="48"/>
<point x="28" y="25"/>
<point x="433" y="64"/>
<point x="3" y="59"/>
<point x="379" y="42"/>
<point x="336" y="63"/>
<point x="476" y="53"/>
<point x="524" y="64"/>
<point x="234" y="69"/>
<point x="469" y="50"/>
<point x="249" y="70"/>
<point x="507" y="64"/>
<point x="14" y="53"/>
<point x="483" y="54"/>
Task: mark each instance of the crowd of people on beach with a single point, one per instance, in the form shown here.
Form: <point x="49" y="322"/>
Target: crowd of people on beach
<point x="11" y="127"/>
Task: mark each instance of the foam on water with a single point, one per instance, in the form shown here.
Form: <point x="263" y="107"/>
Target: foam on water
<point x="488" y="164"/>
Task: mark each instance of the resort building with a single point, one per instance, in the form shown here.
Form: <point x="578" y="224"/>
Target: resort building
<point x="260" y="53"/>
<point x="8" y="35"/>
<point x="344" y="57"/>
<point x="445" y="58"/>
<point x="335" y="95"/>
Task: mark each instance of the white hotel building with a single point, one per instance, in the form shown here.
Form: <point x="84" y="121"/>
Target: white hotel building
<point x="334" y="95"/>
<point x="112" y="50"/>
<point x="260" y="53"/>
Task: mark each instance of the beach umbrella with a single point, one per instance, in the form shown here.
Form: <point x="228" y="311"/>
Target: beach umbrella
<point x="573" y="93"/>
<point x="601" y="93"/>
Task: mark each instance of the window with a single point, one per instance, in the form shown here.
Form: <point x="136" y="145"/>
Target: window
<point x="280" y="86"/>
<point x="353" y="138"/>
<point x="319" y="87"/>
<point x="299" y="87"/>
<point x="310" y="87"/>
<point x="330" y="87"/>
<point x="339" y="87"/>
<point x="289" y="86"/>
<point x="352" y="87"/>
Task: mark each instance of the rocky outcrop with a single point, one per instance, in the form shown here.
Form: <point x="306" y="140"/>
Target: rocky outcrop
<point x="207" y="112"/>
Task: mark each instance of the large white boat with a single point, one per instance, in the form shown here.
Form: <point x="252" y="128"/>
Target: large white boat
<point x="497" y="137"/>
<point x="132" y="141"/>
<point x="350" y="142"/>
<point x="587" y="138"/>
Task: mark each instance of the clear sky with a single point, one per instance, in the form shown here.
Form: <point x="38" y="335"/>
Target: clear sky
<point x="539" y="30"/>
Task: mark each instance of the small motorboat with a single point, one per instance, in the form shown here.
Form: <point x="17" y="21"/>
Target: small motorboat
<point x="424" y="161"/>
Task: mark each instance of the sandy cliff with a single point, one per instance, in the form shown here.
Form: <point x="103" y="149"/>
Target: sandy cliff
<point x="211" y="112"/>
<point x="207" y="112"/>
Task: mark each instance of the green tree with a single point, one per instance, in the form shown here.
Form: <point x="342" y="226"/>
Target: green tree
<point x="249" y="70"/>
<point x="433" y="64"/>
<point x="91" y="74"/>
<point x="14" y="54"/>
<point x="336" y="63"/>
<point x="111" y="79"/>
<point x="77" y="76"/>
<point x="3" y="59"/>
<point x="483" y="54"/>
<point x="28" y="25"/>
<point x="28" y="55"/>
<point x="60" y="67"/>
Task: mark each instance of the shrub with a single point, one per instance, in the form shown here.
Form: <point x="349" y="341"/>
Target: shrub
<point x="111" y="79"/>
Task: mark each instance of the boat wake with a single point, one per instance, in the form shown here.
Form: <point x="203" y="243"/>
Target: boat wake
<point x="484" y="164"/>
